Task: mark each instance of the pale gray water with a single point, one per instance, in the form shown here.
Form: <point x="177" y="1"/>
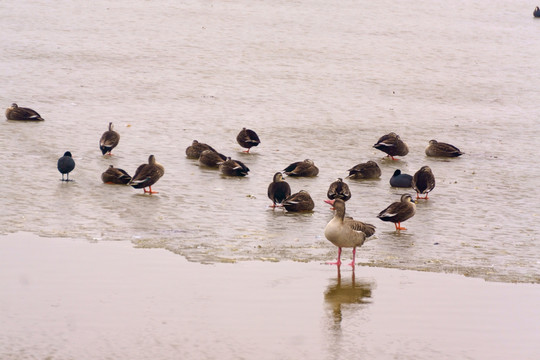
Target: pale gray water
<point x="315" y="79"/>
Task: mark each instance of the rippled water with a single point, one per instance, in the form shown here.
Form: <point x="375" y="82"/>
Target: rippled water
<point x="315" y="79"/>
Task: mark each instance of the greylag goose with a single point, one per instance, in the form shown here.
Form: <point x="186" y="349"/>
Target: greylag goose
<point x="367" y="170"/>
<point x="109" y="140"/>
<point x="399" y="211"/>
<point x="211" y="158"/>
<point x="65" y="165"/>
<point x="423" y="182"/>
<point x="147" y="175"/>
<point x="441" y="149"/>
<point x="232" y="167"/>
<point x="300" y="201"/>
<point x="14" y="112"/>
<point x="345" y="231"/>
<point x="401" y="180"/>
<point x="196" y="148"/>
<point x="247" y="139"/>
<point x="339" y="190"/>
<point x="278" y="190"/>
<point x="302" y="168"/>
<point x="392" y="145"/>
<point x="115" y="176"/>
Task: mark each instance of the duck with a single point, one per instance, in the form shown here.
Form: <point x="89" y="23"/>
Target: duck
<point x="339" y="190"/>
<point x="392" y="145"/>
<point x="345" y="231"/>
<point x="211" y="158"/>
<point x="196" y="148"/>
<point x="367" y="170"/>
<point x="109" y="140"/>
<point x="278" y="190"/>
<point x="305" y="168"/>
<point x="115" y="176"/>
<point x="423" y="182"/>
<point x="247" y="138"/>
<point x="232" y="167"/>
<point x="441" y="149"/>
<point x="401" y="180"/>
<point x="299" y="202"/>
<point x="147" y="175"/>
<point x="65" y="165"/>
<point x="399" y="211"/>
<point x="14" y="112"/>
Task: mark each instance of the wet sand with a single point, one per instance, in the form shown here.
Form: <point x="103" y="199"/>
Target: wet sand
<point x="72" y="299"/>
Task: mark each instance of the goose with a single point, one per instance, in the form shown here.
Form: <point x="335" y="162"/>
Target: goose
<point x="339" y="190"/>
<point x="401" y="180"/>
<point x="423" y="182"/>
<point x="65" y="165"/>
<point x="196" y="148"/>
<point x="300" y="201"/>
<point x="399" y="211"/>
<point x="367" y="170"/>
<point x="247" y="139"/>
<point x="115" y="176"/>
<point x="147" y="175"/>
<point x="278" y="190"/>
<point x="345" y="231"/>
<point x="302" y="168"/>
<point x="211" y="158"/>
<point x="232" y="167"/>
<point x="14" y="112"/>
<point x="109" y="140"/>
<point x="441" y="149"/>
<point x="392" y="145"/>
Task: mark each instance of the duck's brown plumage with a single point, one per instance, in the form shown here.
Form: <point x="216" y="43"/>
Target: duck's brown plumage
<point x="115" y="176"/>
<point x="147" y="175"/>
<point x="14" y="112"/>
<point x="211" y="158"/>
<point x="392" y="145"/>
<point x="278" y="190"/>
<point x="247" y="138"/>
<point x="339" y="190"/>
<point x="423" y="182"/>
<point x="232" y="167"/>
<point x="305" y="168"/>
<point x="196" y="148"/>
<point x="300" y="201"/>
<point x="109" y="140"/>
<point x="399" y="211"/>
<point x="441" y="149"/>
<point x="367" y="170"/>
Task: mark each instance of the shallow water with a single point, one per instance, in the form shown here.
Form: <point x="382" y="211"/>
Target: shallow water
<point x="315" y="80"/>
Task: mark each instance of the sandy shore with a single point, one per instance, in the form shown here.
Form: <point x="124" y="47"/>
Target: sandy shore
<point x="71" y="299"/>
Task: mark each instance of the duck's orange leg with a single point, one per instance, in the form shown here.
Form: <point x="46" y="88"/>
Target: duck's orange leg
<point x="398" y="226"/>
<point x="150" y="191"/>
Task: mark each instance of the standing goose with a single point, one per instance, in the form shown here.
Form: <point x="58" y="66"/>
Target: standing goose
<point x="65" y="165"/>
<point x="401" y="180"/>
<point x="278" y="190"/>
<point x="14" y="112"/>
<point x="247" y="139"/>
<point x="231" y="167"/>
<point x="302" y="168"/>
<point x="423" y="182"/>
<point x="441" y="149"/>
<point x="392" y="145"/>
<point x="147" y="175"/>
<point x="211" y="158"/>
<point x="399" y="211"/>
<point x="196" y="148"/>
<point x="339" y="190"/>
<point x="345" y="231"/>
<point x="115" y="176"/>
<point x="109" y="140"/>
<point x="300" y="201"/>
<point x="367" y="170"/>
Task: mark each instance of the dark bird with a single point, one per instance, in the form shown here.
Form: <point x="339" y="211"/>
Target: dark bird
<point x="345" y="231"/>
<point x="232" y="167"/>
<point x="247" y="139"/>
<point x="196" y="148"/>
<point x="423" y="182"/>
<point x="302" y="168"/>
<point x="147" y="175"/>
<point x="115" y="176"/>
<point x="109" y="140"/>
<point x="399" y="211"/>
<point x="536" y="12"/>
<point x="278" y="190"/>
<point x="339" y="190"/>
<point x="401" y="180"/>
<point x="14" y="112"/>
<point x="65" y="165"/>
<point x="211" y="158"/>
<point x="367" y="170"/>
<point x="441" y="149"/>
<point x="300" y="201"/>
<point x="392" y="145"/>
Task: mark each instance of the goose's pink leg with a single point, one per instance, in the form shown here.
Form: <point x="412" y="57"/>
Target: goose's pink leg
<point x="338" y="262"/>
<point x="353" y="258"/>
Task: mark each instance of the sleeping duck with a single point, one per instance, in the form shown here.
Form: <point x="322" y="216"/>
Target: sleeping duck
<point x="247" y="139"/>
<point x="367" y="170"/>
<point x="211" y="158"/>
<point x="278" y="190"/>
<point x="147" y="175"/>
<point x="115" y="176"/>
<point x="232" y="167"/>
<point x="339" y="190"/>
<point x="392" y="145"/>
<point x="423" y="182"/>
<point x="441" y="149"/>
<point x="300" y="201"/>
<point x="14" y="112"/>
<point x="196" y="148"/>
<point x="399" y="211"/>
<point x="305" y="168"/>
<point x="109" y="140"/>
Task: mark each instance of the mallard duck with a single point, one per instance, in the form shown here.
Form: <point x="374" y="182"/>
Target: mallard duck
<point x="115" y="176"/>
<point x="247" y="139"/>
<point x="399" y="211"/>
<point x="147" y="175"/>
<point x="339" y="190"/>
<point x="401" y="180"/>
<point x="232" y="167"/>
<point x="367" y="170"/>
<point x="423" y="182"/>
<point x="109" y="140"/>
<point x="392" y="145"/>
<point x="65" y="165"/>
<point x="302" y="168"/>
<point x="441" y="149"/>
<point x="300" y="201"/>
<point x="14" y="112"/>
<point x="196" y="148"/>
<point x="211" y="158"/>
<point x="278" y="190"/>
<point x="345" y="231"/>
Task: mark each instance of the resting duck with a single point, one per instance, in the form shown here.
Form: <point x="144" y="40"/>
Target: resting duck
<point x="247" y="139"/>
<point x="401" y="180"/>
<point x="211" y="158"/>
<point x="367" y="170"/>
<point x="109" y="140"/>
<point x="339" y="190"/>
<point x="65" y="165"/>
<point x="147" y="175"/>
<point x="441" y="149"/>
<point x="423" y="182"/>
<point x="392" y="145"/>
<point x="399" y="211"/>
<point x="115" y="176"/>
<point x="196" y="148"/>
<point x="14" y="112"/>
<point x="231" y="167"/>
<point x="301" y="201"/>
<point x="302" y="168"/>
<point x="345" y="231"/>
<point x="278" y="190"/>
